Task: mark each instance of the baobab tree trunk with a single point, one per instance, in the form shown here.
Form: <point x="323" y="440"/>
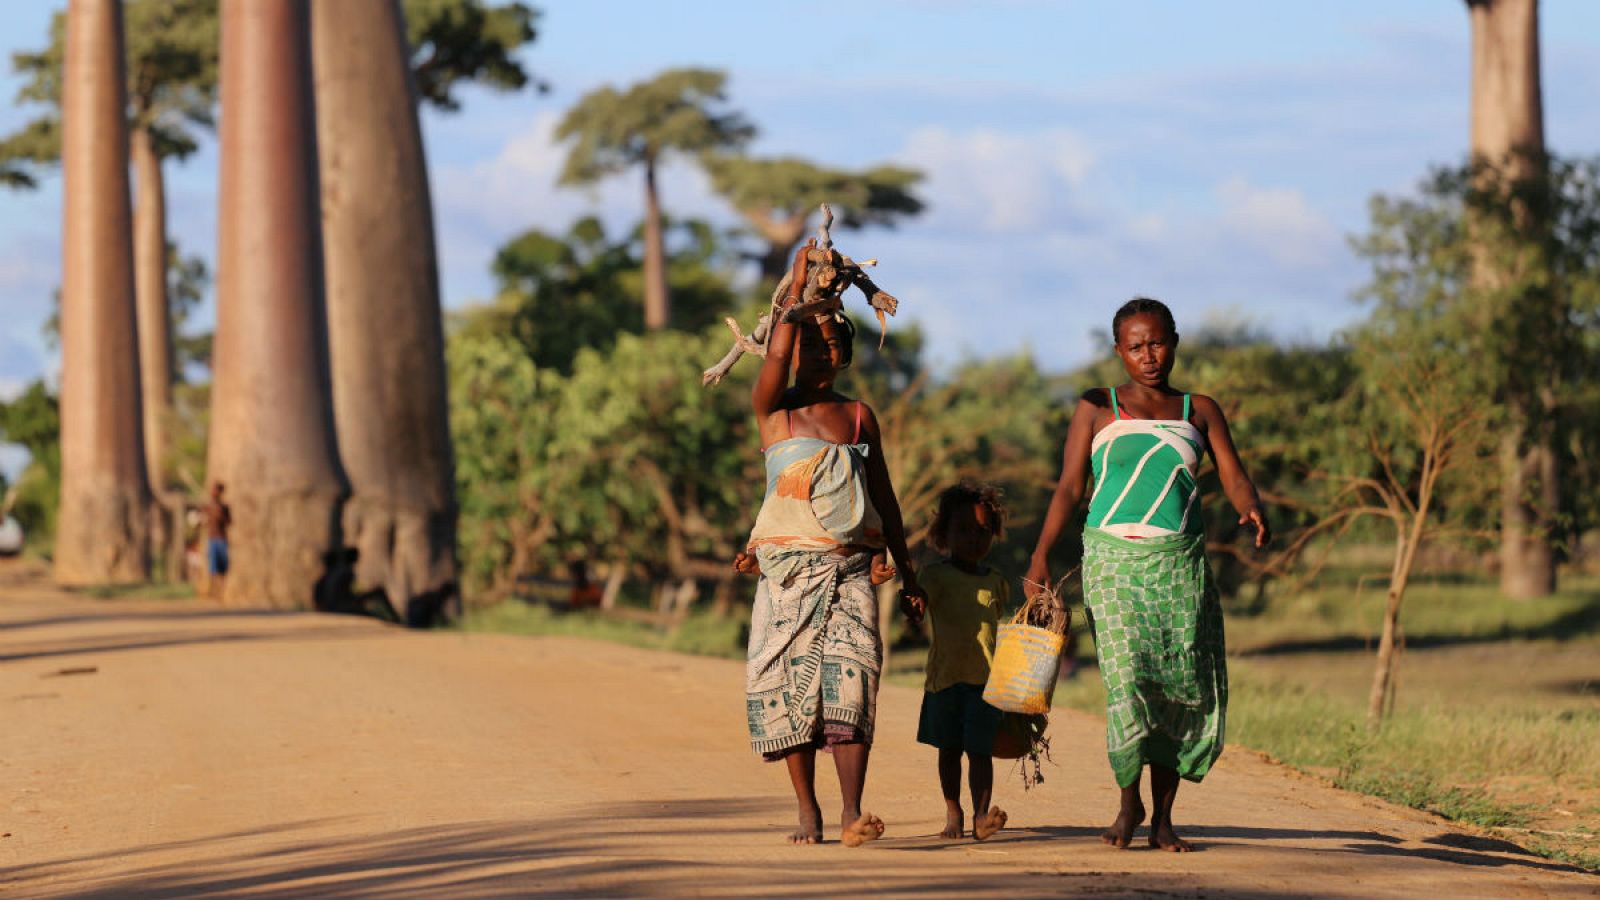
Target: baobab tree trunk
<point x="386" y="341"/>
<point x="155" y="342"/>
<point x="1507" y="131"/>
<point x="781" y="236"/>
<point x="272" y="439"/>
<point x="150" y="291"/>
<point x="657" y="302"/>
<point x="102" y="535"/>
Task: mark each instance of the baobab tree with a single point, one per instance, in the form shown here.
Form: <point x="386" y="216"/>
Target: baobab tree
<point x="1508" y="147"/>
<point x="382" y="290"/>
<point x="272" y="437"/>
<point x="778" y="198"/>
<point x="103" y="531"/>
<point x="171" y="90"/>
<point x="613" y="131"/>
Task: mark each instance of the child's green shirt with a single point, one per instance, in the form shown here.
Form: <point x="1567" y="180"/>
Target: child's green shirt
<point x="964" y="611"/>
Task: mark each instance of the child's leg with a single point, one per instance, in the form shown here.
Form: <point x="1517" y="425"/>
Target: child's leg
<point x="856" y="828"/>
<point x="981" y="724"/>
<point x="1163" y="791"/>
<point x="802" y="765"/>
<point x="1120" y="834"/>
<point x="950" y="785"/>
<point x="986" y="817"/>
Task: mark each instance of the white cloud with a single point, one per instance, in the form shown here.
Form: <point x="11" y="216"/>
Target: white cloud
<point x="999" y="181"/>
<point x="1279" y="222"/>
<point x="483" y="203"/>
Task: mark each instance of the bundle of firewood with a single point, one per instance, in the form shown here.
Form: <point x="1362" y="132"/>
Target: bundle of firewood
<point x="814" y="287"/>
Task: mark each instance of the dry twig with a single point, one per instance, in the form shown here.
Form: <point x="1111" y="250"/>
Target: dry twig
<point x="828" y="274"/>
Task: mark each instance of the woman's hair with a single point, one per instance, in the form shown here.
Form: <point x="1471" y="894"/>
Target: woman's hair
<point x="847" y="341"/>
<point x="961" y="496"/>
<point x="1142" y="305"/>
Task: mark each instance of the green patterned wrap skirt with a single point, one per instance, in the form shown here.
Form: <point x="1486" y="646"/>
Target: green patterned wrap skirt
<point x="1158" y="633"/>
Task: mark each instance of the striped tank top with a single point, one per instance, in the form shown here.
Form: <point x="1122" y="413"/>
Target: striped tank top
<point x="1144" y="476"/>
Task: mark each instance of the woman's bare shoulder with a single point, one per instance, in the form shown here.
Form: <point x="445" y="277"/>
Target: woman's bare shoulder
<point x="1098" y="397"/>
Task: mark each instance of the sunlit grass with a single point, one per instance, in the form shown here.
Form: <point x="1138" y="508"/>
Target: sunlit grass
<point x="700" y="633"/>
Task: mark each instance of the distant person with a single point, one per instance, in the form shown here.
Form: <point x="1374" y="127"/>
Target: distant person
<point x="815" y="657"/>
<point x="965" y="598"/>
<point x="1146" y="579"/>
<point x="585" y="593"/>
<point x="218" y="519"/>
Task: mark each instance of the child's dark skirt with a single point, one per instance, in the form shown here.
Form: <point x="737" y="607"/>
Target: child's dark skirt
<point x="956" y="718"/>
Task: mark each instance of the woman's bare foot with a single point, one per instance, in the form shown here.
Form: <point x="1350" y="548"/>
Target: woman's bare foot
<point x="984" y="826"/>
<point x="809" y="830"/>
<point x="955" y="822"/>
<point x="1120" y="834"/>
<point x="867" y="828"/>
<point x="1164" y="838"/>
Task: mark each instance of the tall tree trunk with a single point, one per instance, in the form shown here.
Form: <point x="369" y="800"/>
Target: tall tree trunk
<point x="781" y="236"/>
<point x="1508" y="131"/>
<point x="150" y="291"/>
<point x="271" y="411"/>
<point x="657" y="303"/>
<point x="386" y="341"/>
<point x="102" y="535"/>
<point x="155" y="342"/>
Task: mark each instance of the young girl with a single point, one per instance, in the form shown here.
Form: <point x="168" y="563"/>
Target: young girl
<point x="1146" y="579"/>
<point x="814" y="655"/>
<point x="964" y="598"/>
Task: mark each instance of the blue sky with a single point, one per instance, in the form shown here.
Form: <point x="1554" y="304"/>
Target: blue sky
<point x="1215" y="155"/>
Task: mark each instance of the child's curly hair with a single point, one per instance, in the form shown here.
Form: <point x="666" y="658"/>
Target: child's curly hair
<point x="961" y="496"/>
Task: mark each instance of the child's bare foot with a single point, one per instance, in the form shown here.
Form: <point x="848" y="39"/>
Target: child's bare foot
<point x="954" y="824"/>
<point x="1120" y="834"/>
<point x="984" y="826"/>
<point x="867" y="828"/>
<point x="809" y="830"/>
<point x="1164" y="838"/>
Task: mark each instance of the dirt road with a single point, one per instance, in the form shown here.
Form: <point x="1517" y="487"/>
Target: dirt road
<point x="163" y="750"/>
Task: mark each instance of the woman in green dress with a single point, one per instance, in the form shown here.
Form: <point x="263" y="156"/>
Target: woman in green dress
<point x="1146" y="580"/>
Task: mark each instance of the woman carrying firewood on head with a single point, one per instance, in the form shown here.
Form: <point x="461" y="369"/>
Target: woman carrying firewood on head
<point x="814" y="655"/>
<point x="1146" y="579"/>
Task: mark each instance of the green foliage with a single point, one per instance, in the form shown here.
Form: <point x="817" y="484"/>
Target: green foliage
<point x="460" y="41"/>
<point x="1502" y="273"/>
<point x="613" y="131"/>
<point x="627" y="457"/>
<point x="171" y="49"/>
<point x="33" y="420"/>
<point x="558" y="295"/>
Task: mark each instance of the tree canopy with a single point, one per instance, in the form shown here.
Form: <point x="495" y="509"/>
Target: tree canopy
<point x="172" y="46"/>
<point x="459" y="41"/>
<point x="171" y="57"/>
<point x="679" y="110"/>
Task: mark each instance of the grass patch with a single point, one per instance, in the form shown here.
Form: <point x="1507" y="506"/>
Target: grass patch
<point x="1420" y="791"/>
<point x="1440" y="612"/>
<point x="700" y="634"/>
<point x="1444" y="757"/>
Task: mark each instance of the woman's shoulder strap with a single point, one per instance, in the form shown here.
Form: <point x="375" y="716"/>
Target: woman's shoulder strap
<point x="1186" y="407"/>
<point x="1115" y="412"/>
<point x="859" y="406"/>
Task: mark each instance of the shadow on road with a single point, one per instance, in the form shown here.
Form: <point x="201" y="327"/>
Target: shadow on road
<point x="632" y="849"/>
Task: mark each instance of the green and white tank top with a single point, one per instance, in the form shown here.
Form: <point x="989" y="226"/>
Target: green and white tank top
<point x="1144" y="476"/>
